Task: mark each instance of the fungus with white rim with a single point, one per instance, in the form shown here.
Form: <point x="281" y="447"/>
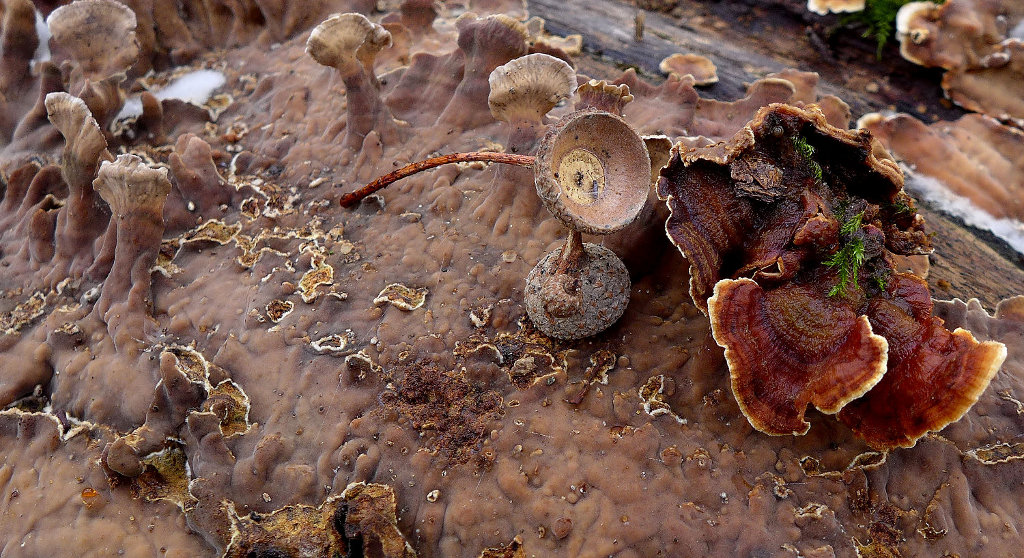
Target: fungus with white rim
<point x="349" y="43"/>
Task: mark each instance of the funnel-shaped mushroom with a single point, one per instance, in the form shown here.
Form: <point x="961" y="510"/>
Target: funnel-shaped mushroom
<point x="487" y="43"/>
<point x="99" y="35"/>
<point x="136" y="194"/>
<point x="83" y="218"/>
<point x="522" y="93"/>
<point x="349" y="43"/>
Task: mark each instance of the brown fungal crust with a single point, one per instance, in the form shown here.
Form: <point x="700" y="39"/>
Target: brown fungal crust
<point x="592" y="172"/>
<point x="822" y="353"/>
<point x="583" y="303"/>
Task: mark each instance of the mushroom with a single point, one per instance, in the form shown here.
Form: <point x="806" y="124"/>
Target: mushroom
<point x="17" y="47"/>
<point x="349" y="43"/>
<point x="823" y="7"/>
<point x="601" y="95"/>
<point x="82" y="219"/>
<point x="136" y="194"/>
<point x="99" y="35"/>
<point x="701" y="68"/>
<point x="487" y="43"/>
<point x="522" y="93"/>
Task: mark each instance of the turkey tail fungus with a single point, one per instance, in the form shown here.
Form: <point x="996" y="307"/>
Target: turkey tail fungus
<point x="793" y="223"/>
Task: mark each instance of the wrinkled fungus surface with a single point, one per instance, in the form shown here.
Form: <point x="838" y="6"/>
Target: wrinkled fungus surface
<point x="203" y="355"/>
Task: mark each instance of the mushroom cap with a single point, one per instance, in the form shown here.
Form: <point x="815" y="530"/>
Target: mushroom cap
<point x="526" y="88"/>
<point x="822" y="7"/>
<point x="601" y="95"/>
<point x="788" y="347"/>
<point x="99" y="34"/>
<point x="128" y="184"/>
<point x="603" y="285"/>
<point x="701" y="68"/>
<point x="85" y="144"/>
<point x="593" y="172"/>
<point x="343" y="40"/>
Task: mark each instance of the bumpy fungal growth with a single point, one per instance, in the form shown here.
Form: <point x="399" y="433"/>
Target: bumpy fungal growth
<point x="136" y="194"/>
<point x="793" y="223"/>
<point x="601" y="95"/>
<point x="349" y="43"/>
<point x="82" y="219"/>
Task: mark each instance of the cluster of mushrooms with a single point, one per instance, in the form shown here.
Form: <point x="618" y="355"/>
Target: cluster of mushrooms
<point x="790" y="229"/>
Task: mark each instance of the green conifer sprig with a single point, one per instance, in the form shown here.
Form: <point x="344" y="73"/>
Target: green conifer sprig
<point x="850" y="258"/>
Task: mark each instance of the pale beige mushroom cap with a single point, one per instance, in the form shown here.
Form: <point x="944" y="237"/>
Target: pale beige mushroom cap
<point x="701" y="68"/>
<point x="342" y="40"/>
<point x="85" y="144"/>
<point x="526" y="88"/>
<point x="98" y="34"/>
<point x="128" y="184"/>
<point x="822" y="7"/>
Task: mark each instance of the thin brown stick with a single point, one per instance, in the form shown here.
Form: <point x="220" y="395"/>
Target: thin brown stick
<point x="352" y="198"/>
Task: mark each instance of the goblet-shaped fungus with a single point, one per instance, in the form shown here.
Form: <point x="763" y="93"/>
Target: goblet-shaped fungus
<point x="349" y="43"/>
<point x="793" y="223"/>
<point x="82" y="219"/>
<point x="136" y="194"/>
<point x="99" y="35"/>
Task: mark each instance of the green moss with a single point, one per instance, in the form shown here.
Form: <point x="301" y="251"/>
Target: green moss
<point x="879" y="20"/>
<point x="806" y="150"/>
<point x="849" y="258"/>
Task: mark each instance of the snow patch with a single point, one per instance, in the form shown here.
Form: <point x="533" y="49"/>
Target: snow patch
<point x="193" y="87"/>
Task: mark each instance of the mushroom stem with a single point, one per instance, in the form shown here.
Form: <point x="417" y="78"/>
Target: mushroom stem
<point x="571" y="258"/>
<point x="352" y="198"/>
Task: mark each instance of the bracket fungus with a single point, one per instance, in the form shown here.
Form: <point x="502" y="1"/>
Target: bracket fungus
<point x="793" y="223"/>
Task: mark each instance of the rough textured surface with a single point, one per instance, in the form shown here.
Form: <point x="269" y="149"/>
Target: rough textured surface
<point x="628" y="443"/>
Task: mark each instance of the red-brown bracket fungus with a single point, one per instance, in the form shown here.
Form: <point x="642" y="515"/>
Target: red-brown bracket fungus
<point x="793" y="224"/>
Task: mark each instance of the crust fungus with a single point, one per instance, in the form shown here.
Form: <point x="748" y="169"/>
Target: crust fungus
<point x="793" y="223"/>
<point x="349" y="43"/>
<point x="701" y="68"/>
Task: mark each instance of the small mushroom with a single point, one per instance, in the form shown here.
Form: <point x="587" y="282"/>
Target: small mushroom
<point x="701" y="68"/>
<point x="601" y="95"/>
<point x="82" y="219"/>
<point x="136" y="194"/>
<point x="349" y="43"/>
<point x="99" y="35"/>
<point x="522" y="93"/>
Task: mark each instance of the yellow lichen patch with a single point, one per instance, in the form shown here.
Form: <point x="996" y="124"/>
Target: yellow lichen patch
<point x="165" y="257"/>
<point x="371" y="514"/>
<point x="23" y="314"/>
<point x="213" y="230"/>
<point x="402" y="297"/>
<point x="165" y="477"/>
<point x="513" y="549"/>
<point x="998" y="453"/>
<point x="312" y="529"/>
<point x="321" y="274"/>
<point x="231" y="405"/>
<point x="278" y="309"/>
<point x="217" y="104"/>
<point x="654" y="393"/>
<point x="190" y="362"/>
<point x="335" y="344"/>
